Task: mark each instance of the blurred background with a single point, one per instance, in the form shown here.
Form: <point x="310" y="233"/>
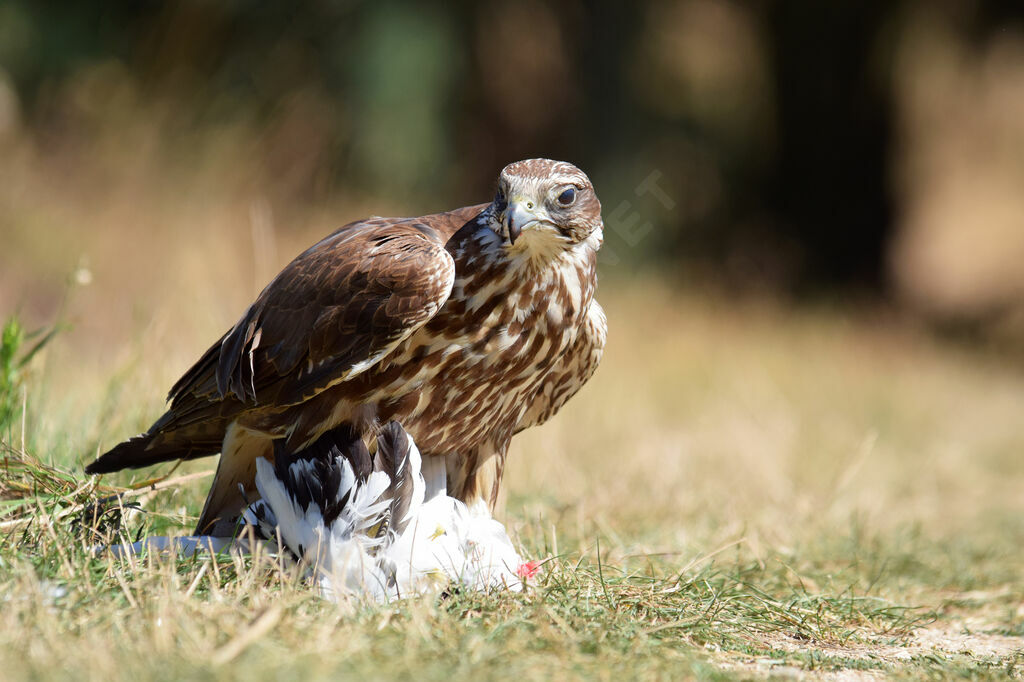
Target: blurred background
<point x="860" y="162"/>
<point x="852" y="148"/>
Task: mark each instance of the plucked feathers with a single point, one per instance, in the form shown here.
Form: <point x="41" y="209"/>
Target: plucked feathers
<point x="437" y="538"/>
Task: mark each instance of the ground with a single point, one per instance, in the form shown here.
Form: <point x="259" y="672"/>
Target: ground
<point x="744" y="490"/>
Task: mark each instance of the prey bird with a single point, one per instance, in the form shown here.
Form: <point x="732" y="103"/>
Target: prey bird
<point x="374" y="527"/>
<point x="466" y="326"/>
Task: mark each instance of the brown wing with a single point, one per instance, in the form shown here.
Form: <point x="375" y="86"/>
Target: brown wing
<point x="331" y="313"/>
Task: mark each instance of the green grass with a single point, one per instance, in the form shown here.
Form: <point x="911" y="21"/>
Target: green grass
<point x="14" y="360"/>
<point x="742" y="491"/>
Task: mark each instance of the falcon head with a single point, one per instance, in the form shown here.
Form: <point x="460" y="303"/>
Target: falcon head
<point x="544" y="205"/>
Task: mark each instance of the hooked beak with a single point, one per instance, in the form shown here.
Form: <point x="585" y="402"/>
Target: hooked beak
<point x="517" y="216"/>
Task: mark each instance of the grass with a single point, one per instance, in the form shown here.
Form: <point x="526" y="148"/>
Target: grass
<point x="748" y="492"/>
<point x="743" y="490"/>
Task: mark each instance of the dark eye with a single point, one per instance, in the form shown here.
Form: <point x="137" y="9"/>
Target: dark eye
<point x="567" y="197"/>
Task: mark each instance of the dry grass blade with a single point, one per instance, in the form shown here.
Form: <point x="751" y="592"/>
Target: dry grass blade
<point x="34" y="492"/>
<point x="260" y="626"/>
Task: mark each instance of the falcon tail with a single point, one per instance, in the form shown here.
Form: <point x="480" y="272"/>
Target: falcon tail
<point x="153" y="447"/>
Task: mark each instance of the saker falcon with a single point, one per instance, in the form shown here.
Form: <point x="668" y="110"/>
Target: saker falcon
<point x="466" y="327"/>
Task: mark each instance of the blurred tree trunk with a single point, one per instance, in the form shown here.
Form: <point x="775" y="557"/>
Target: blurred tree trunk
<point x="829" y="187"/>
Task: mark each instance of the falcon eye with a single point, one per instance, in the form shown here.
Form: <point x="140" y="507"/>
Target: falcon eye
<point x="567" y="197"/>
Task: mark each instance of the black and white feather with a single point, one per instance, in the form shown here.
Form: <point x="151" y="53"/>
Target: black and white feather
<point x="376" y="529"/>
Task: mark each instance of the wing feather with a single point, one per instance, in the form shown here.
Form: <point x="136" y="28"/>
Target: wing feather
<point x="331" y="313"/>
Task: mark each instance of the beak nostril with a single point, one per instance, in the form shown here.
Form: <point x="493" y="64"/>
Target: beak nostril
<point x="519" y="214"/>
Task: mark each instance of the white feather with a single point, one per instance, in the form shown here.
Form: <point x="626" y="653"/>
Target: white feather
<point x="443" y="543"/>
<point x="447" y="542"/>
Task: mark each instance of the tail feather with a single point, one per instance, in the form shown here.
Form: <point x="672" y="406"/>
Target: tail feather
<point x="322" y="458"/>
<point x="151" y="448"/>
<point x="398" y="457"/>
